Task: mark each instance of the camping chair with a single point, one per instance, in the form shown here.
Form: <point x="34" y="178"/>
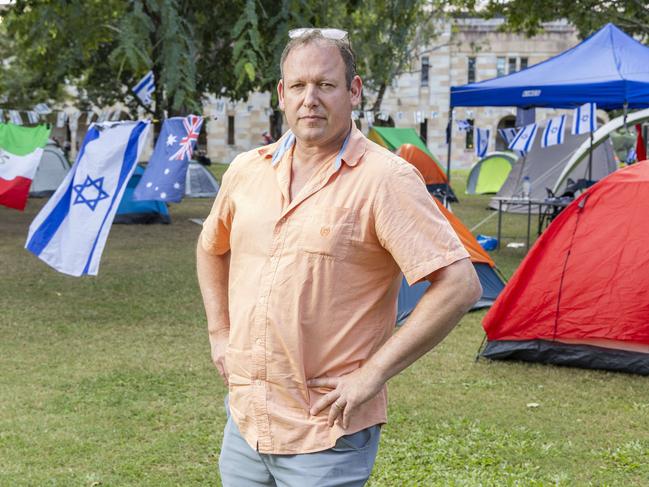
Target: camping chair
<point x="555" y="204"/>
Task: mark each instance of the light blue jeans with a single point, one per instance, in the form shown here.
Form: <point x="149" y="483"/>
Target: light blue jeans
<point x="349" y="463"/>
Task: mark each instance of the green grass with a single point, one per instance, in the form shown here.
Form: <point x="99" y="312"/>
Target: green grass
<point x="107" y="381"/>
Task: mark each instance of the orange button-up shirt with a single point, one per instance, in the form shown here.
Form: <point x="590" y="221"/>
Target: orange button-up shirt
<point x="313" y="282"/>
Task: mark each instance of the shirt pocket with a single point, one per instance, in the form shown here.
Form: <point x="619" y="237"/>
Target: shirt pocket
<point x="327" y="232"/>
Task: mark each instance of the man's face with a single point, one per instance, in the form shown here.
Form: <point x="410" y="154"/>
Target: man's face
<point x="313" y="93"/>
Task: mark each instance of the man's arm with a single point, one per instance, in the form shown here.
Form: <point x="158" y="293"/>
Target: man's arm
<point x="453" y="290"/>
<point x="213" y="271"/>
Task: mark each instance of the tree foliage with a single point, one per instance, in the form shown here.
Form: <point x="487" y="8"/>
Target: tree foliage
<point x="587" y="15"/>
<point x="98" y="49"/>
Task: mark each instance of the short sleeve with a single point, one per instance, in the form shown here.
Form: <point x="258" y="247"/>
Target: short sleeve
<point x="215" y="237"/>
<point x="411" y="227"/>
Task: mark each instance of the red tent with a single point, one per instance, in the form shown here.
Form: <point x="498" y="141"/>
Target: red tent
<point x="581" y="295"/>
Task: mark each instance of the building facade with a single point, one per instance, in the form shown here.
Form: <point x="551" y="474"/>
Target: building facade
<point x="465" y="51"/>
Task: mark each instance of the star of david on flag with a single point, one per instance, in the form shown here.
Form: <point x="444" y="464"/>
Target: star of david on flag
<point x="584" y="120"/>
<point x="524" y="138"/>
<point x="553" y="133"/>
<point x="70" y="232"/>
<point x="164" y="177"/>
<point x="481" y="137"/>
<point x="90" y="192"/>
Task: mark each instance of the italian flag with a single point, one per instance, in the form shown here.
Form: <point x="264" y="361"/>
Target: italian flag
<point x="21" y="149"/>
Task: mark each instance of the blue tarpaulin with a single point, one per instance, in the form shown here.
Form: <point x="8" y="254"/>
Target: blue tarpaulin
<point x="609" y="68"/>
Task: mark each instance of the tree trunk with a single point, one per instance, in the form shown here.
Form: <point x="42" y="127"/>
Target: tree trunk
<point x="158" y="94"/>
<point x="276" y="122"/>
<point x="379" y="97"/>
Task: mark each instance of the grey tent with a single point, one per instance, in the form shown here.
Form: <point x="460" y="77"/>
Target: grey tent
<point x="543" y="166"/>
<point x="50" y="172"/>
<point x="200" y="183"/>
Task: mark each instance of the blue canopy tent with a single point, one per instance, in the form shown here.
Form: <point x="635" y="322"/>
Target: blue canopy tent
<point x="609" y="68"/>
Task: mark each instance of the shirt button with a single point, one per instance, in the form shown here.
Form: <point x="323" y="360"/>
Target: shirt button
<point x="258" y="341"/>
<point x="258" y="382"/>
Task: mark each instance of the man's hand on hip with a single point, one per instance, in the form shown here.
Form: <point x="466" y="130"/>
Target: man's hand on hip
<point x="219" y="344"/>
<point x="349" y="392"/>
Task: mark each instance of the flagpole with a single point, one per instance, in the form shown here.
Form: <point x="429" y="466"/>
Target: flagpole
<point x="590" y="158"/>
<point x="449" y="140"/>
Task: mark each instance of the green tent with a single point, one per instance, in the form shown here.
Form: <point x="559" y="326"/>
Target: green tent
<point x="489" y="173"/>
<point x="392" y="138"/>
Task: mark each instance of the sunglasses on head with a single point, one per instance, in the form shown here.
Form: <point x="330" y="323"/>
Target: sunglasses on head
<point x="334" y="34"/>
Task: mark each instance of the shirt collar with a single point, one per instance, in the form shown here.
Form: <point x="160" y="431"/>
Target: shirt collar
<point x="350" y="152"/>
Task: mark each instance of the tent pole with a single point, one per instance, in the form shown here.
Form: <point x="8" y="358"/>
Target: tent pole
<point x="590" y="159"/>
<point x="449" y="141"/>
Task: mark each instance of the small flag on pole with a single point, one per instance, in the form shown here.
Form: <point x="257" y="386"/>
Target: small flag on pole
<point x="481" y="137"/>
<point x="145" y="88"/>
<point x="464" y="125"/>
<point x="508" y="135"/>
<point x="164" y="177"/>
<point x="61" y="118"/>
<point x="73" y="121"/>
<point x="70" y="232"/>
<point x="33" y="117"/>
<point x="14" y="116"/>
<point x="42" y="109"/>
<point x="553" y="133"/>
<point x="524" y="138"/>
<point x="584" y="120"/>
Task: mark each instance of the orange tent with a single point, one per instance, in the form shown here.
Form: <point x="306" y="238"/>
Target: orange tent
<point x="477" y="253"/>
<point x="426" y="165"/>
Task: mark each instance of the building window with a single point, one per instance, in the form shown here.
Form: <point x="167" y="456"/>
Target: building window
<point x="471" y="70"/>
<point x="468" y="141"/>
<point x="523" y="63"/>
<point x="512" y="65"/>
<point x="425" y="67"/>
<point x="500" y="66"/>
<point x="230" y="129"/>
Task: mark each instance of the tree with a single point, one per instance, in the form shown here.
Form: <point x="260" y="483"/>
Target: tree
<point x="587" y="15"/>
<point x="385" y="35"/>
<point x="101" y="48"/>
<point x="94" y="51"/>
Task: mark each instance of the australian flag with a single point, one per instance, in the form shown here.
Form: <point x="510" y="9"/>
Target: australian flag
<point x="164" y="177"/>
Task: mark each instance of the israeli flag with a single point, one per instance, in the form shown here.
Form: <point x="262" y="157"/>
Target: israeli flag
<point x="507" y="135"/>
<point x="584" y="119"/>
<point x="553" y="133"/>
<point x="70" y="232"/>
<point x="481" y="137"/>
<point x="145" y="88"/>
<point x="524" y="138"/>
<point x="464" y="125"/>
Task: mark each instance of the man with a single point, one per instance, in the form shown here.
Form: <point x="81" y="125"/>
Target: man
<point x="299" y="265"/>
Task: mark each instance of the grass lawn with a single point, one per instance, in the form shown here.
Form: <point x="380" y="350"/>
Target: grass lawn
<point x="107" y="381"/>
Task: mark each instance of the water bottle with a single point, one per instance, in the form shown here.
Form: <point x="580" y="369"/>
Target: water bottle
<point x="527" y="187"/>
